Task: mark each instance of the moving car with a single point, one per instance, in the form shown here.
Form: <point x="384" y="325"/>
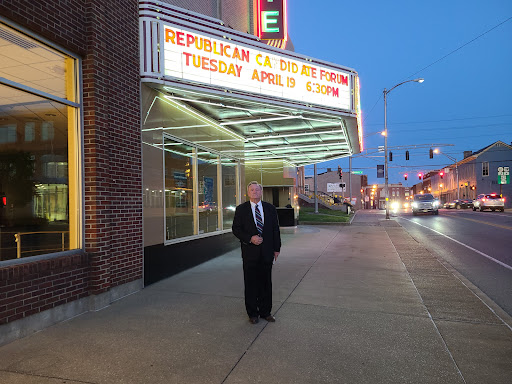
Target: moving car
<point x="425" y="203"/>
<point x="458" y="204"/>
<point x="491" y="201"/>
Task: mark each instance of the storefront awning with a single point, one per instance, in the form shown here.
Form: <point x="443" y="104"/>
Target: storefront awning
<point x="226" y="88"/>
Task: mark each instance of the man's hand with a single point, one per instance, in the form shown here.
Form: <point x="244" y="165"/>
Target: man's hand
<point x="256" y="240"/>
<point x="275" y="255"/>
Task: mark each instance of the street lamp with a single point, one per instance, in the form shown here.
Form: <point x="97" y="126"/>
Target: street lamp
<point x="386" y="91"/>
<point x="456" y="169"/>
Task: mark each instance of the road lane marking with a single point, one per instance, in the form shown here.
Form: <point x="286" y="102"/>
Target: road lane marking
<point x="480" y="222"/>
<point x="484" y="222"/>
<point x="465" y="245"/>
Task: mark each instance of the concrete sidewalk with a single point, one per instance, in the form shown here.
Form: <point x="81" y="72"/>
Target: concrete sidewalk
<point x="363" y="303"/>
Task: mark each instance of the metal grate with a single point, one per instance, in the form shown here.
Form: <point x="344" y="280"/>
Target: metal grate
<point x="15" y="39"/>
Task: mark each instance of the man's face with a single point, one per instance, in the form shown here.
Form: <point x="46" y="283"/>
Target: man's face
<point x="254" y="192"/>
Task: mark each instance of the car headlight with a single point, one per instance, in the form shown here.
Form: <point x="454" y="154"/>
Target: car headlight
<point x="436" y="203"/>
<point x="414" y="204"/>
<point x="394" y="205"/>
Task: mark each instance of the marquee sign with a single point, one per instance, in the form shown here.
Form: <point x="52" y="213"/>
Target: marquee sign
<point x="271" y="20"/>
<point x="200" y="58"/>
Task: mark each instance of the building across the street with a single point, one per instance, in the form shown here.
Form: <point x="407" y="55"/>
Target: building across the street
<point x="338" y="185"/>
<point x="484" y="171"/>
<point x="128" y="132"/>
<point x="374" y="196"/>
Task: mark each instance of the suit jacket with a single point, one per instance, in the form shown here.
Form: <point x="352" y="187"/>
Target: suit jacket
<point x="244" y="228"/>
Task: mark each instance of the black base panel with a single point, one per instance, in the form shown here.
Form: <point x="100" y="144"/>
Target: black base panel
<point x="162" y="261"/>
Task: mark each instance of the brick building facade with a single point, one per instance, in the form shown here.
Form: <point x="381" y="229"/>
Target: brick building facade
<point x="104" y="37"/>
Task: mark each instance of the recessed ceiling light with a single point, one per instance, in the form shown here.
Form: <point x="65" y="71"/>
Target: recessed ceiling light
<point x="50" y="114"/>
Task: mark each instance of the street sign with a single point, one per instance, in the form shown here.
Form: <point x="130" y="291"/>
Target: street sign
<point x="503" y="175"/>
<point x="336" y="187"/>
<point x="357" y="172"/>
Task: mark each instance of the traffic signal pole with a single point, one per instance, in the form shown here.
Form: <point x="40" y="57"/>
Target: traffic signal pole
<point x="316" y="191"/>
<point x="350" y="178"/>
<point x="386" y="152"/>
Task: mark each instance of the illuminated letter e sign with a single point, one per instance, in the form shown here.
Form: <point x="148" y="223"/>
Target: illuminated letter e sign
<point x="271" y="20"/>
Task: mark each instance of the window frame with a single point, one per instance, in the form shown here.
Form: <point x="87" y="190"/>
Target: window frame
<point x="77" y="117"/>
<point x="195" y="186"/>
<point x="485" y="167"/>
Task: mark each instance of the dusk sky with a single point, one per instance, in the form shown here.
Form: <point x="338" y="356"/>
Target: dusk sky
<point x="466" y="99"/>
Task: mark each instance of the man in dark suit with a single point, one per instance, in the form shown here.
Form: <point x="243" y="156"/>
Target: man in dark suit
<point x="256" y="225"/>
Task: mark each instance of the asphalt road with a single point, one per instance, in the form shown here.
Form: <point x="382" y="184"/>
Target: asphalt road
<point x="477" y="244"/>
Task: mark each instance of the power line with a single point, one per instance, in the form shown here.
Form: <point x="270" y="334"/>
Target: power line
<point x="372" y="108"/>
<point x="462" y="46"/>
<point x="506" y="130"/>
<point x="443" y="120"/>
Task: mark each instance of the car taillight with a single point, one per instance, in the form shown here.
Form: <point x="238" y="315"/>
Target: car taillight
<point x="503" y="199"/>
<point x="483" y="199"/>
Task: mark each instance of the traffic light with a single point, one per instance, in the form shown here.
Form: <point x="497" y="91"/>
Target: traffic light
<point x="431" y="153"/>
<point x="441" y="174"/>
<point x="3" y="200"/>
<point x="420" y="175"/>
<point x="340" y="172"/>
<point x="390" y="156"/>
<point x="405" y="176"/>
<point x="406" y="155"/>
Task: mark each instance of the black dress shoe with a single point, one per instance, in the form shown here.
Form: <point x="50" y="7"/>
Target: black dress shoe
<point x="270" y="318"/>
<point x="253" y="320"/>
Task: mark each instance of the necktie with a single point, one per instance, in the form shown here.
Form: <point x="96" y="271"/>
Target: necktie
<point x="259" y="221"/>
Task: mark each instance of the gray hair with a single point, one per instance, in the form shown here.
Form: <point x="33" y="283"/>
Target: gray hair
<point x="255" y="182"/>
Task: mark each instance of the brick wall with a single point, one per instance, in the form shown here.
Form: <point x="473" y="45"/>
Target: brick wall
<point x="61" y="21"/>
<point x="105" y="34"/>
<point x="205" y="7"/>
<point x="234" y="13"/>
<point x="112" y="144"/>
<point x="30" y="288"/>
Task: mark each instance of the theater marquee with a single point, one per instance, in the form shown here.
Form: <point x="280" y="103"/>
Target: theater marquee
<point x="196" y="57"/>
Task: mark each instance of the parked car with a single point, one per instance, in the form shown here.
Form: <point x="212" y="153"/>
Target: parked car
<point x="425" y="203"/>
<point x="491" y="201"/>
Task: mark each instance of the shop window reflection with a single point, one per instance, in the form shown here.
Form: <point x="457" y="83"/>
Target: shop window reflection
<point x="228" y="192"/>
<point x="35" y="183"/>
<point x="39" y="147"/>
<point x="179" y="178"/>
<point x="207" y="191"/>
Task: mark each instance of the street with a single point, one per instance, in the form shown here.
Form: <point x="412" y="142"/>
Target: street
<point x="476" y="244"/>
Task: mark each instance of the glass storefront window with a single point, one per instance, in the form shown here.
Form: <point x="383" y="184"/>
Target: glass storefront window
<point x="28" y="62"/>
<point x="179" y="189"/>
<point x="182" y="159"/>
<point x="228" y="191"/>
<point x="207" y="165"/>
<point x="39" y="182"/>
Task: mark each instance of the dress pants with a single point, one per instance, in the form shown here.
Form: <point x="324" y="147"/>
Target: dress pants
<point x="258" y="287"/>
